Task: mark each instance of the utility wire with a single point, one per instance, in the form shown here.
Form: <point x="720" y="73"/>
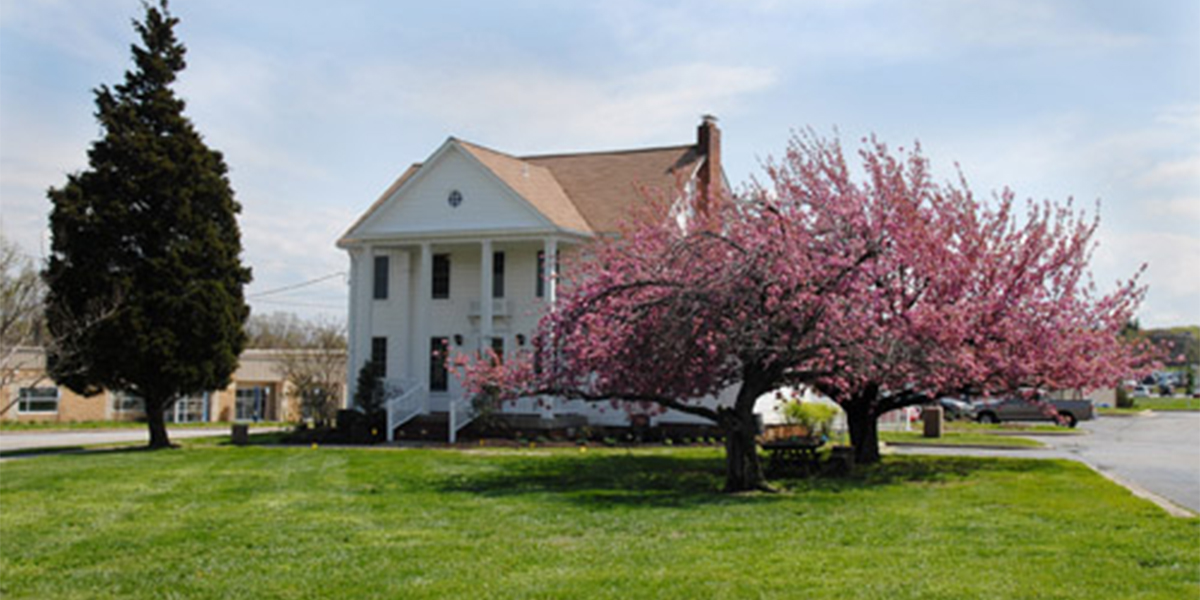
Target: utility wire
<point x="302" y="304"/>
<point x="296" y="286"/>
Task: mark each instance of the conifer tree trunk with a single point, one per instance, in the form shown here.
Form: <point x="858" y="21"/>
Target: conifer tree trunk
<point x="155" y="419"/>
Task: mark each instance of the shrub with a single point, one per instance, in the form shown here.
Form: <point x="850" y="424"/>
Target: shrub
<point x="816" y="417"/>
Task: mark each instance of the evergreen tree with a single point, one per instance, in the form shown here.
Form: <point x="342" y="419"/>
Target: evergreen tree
<point x="368" y="396"/>
<point x="146" y="247"/>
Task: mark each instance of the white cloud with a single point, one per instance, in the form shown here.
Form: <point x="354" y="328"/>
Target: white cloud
<point x="1172" y="172"/>
<point x="86" y="31"/>
<point x="1184" y="208"/>
<point x="527" y="107"/>
<point x="1173" y="271"/>
<point x="1022" y="24"/>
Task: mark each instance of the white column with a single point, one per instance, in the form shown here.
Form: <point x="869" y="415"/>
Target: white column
<point x="354" y="355"/>
<point x="550" y="252"/>
<point x="366" y="281"/>
<point x="422" y="314"/>
<point x="485" y="296"/>
<point x="550" y="262"/>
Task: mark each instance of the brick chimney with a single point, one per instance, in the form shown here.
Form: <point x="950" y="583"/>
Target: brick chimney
<point x="708" y="146"/>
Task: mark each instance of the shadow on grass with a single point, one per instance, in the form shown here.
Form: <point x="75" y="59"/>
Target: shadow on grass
<point x="601" y="480"/>
<point x="927" y="470"/>
<point x="271" y="438"/>
<point x="616" y="480"/>
<point x="31" y="452"/>
<point x="78" y="451"/>
<point x="255" y="439"/>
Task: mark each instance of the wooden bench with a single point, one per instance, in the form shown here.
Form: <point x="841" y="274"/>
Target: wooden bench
<point x="791" y="450"/>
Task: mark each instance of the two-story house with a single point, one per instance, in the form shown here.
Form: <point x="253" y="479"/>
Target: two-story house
<point x="461" y="253"/>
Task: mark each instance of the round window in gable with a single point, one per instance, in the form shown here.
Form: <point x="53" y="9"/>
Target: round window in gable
<point x="455" y="198"/>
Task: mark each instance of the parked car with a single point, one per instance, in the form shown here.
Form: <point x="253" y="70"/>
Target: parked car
<point x="1068" y="412"/>
<point x="955" y="409"/>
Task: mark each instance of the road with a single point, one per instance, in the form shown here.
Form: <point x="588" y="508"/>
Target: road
<point x="1158" y="452"/>
<point x="27" y="440"/>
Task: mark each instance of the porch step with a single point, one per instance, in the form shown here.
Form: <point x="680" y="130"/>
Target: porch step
<point x="434" y="426"/>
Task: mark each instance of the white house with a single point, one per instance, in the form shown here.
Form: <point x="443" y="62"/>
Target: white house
<point x="461" y="251"/>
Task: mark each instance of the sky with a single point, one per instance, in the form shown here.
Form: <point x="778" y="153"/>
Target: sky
<point x="318" y="106"/>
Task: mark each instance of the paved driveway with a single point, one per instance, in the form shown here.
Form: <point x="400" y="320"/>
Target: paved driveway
<point x="23" y="440"/>
<point x="1159" y="452"/>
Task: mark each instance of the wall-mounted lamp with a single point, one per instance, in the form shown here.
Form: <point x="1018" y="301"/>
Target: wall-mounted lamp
<point x="458" y="339"/>
<point x="520" y="339"/>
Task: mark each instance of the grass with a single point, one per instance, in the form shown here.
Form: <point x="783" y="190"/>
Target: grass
<point x="1160" y="404"/>
<point x="957" y="438"/>
<point x="88" y="425"/>
<point x="1166" y="403"/>
<point x="213" y="521"/>
<point x="1020" y="427"/>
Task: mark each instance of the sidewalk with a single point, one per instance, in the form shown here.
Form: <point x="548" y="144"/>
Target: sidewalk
<point x="13" y="441"/>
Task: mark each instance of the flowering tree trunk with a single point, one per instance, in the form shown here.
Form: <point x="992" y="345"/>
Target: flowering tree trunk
<point x="743" y="467"/>
<point x="863" y="423"/>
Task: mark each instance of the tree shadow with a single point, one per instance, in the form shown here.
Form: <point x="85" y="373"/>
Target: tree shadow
<point x="79" y="451"/>
<point x="921" y="470"/>
<point x="621" y="480"/>
<point x="604" y="481"/>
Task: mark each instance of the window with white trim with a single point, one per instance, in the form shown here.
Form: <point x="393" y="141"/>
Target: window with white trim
<point x="37" y="400"/>
<point x="380" y="282"/>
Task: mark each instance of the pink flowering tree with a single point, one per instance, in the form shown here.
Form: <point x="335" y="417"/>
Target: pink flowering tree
<point x="747" y="297"/>
<point x="965" y="296"/>
<point x="879" y="292"/>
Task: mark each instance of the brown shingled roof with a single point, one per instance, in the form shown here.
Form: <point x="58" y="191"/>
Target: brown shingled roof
<point x="588" y="193"/>
<point x="604" y="186"/>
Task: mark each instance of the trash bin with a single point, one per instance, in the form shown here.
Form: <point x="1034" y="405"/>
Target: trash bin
<point x="241" y="434"/>
<point x="932" y="417"/>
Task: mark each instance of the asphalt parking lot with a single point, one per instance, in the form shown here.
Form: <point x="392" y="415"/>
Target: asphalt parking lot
<point x="1156" y="452"/>
<point x="1159" y="452"/>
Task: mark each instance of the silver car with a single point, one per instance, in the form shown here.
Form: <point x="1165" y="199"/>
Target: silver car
<point x="1065" y="412"/>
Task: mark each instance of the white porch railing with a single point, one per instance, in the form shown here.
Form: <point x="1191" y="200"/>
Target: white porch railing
<point x="460" y="414"/>
<point x="406" y="398"/>
<point x="500" y="308"/>
<point x="898" y="420"/>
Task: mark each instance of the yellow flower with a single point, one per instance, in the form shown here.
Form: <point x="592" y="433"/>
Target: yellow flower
<point x="314" y="446"/>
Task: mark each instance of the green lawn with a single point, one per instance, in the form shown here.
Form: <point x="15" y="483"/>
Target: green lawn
<point x="960" y="438"/>
<point x="211" y="521"/>
<point x="1167" y="403"/>
<point x="1159" y="404"/>
<point x="1010" y="428"/>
